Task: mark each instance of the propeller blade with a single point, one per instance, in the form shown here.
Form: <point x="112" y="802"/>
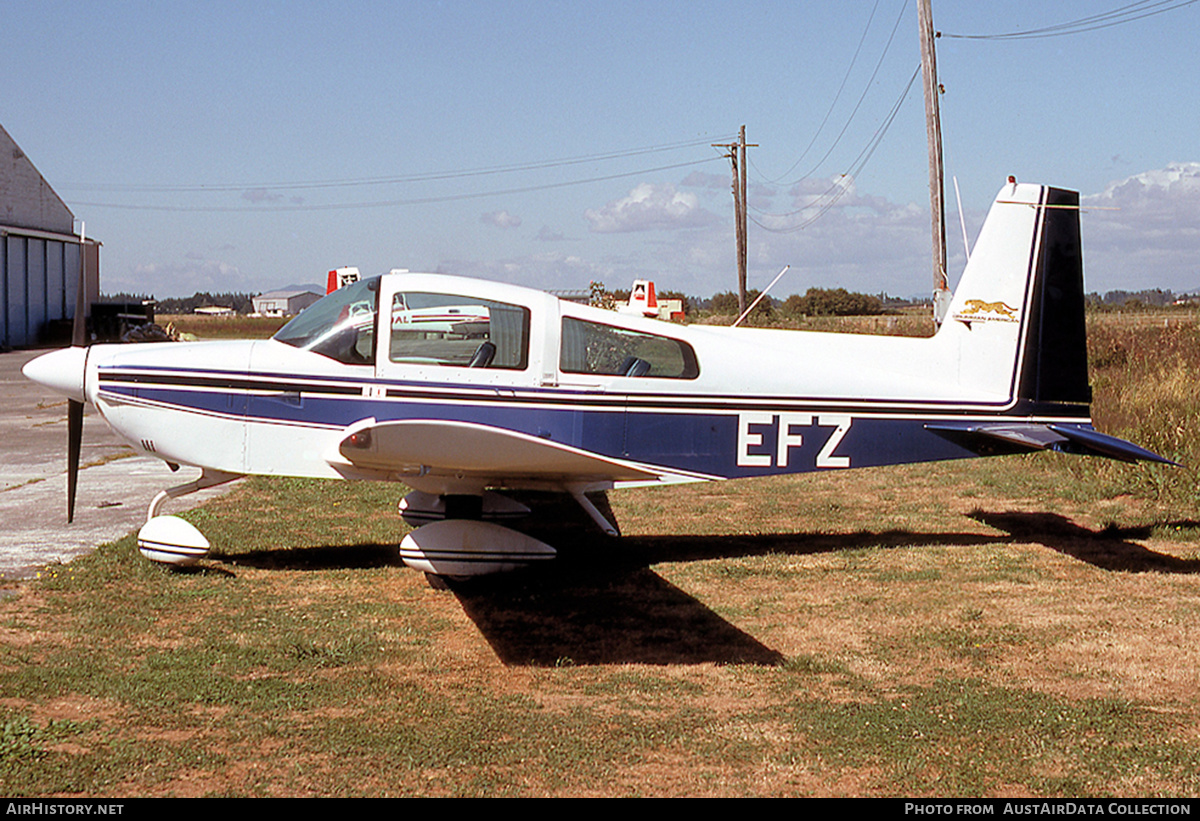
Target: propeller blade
<point x="74" y="443"/>
<point x="75" y="409"/>
<point x="79" y="327"/>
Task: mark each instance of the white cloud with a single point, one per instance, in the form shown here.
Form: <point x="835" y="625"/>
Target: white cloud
<point x="1143" y="231"/>
<point x="650" y="207"/>
<point x="550" y="271"/>
<point x="702" y="179"/>
<point x="500" y="219"/>
<point x="1163" y="199"/>
<point x="814" y="195"/>
<point x="178" y="278"/>
<point x="864" y="242"/>
<point x="257" y="195"/>
<point x="722" y="185"/>
<point x="548" y="234"/>
<point x="812" y="187"/>
<point x="868" y="243"/>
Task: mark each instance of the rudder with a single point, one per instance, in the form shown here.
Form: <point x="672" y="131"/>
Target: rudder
<point x="1055" y="367"/>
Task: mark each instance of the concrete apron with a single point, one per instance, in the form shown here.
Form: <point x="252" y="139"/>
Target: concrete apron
<point x="115" y="487"/>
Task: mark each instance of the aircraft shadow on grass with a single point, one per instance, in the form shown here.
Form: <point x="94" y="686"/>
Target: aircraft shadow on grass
<point x="602" y="603"/>
<point x="1110" y="548"/>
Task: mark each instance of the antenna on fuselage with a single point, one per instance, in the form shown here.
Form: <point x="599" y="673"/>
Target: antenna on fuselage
<point x="759" y="299"/>
<point x="962" y="220"/>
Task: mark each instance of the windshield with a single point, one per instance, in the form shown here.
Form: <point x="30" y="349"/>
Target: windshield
<point x="340" y="326"/>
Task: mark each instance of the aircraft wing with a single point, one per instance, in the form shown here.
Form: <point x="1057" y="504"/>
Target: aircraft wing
<point x="1017" y="437"/>
<point x="468" y="449"/>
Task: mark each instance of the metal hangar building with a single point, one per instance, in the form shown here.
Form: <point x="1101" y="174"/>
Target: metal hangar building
<point x="39" y="254"/>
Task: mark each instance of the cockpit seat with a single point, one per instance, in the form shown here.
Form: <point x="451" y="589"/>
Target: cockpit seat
<point x="633" y="366"/>
<point x="483" y="356"/>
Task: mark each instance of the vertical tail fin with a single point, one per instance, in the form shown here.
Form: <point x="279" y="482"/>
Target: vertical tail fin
<point x="1017" y="327"/>
<point x="1017" y="316"/>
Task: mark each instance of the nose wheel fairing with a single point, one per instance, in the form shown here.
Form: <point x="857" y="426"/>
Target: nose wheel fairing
<point x="169" y="539"/>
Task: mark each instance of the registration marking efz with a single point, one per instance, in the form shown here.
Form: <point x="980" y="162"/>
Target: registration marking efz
<point x="752" y="430"/>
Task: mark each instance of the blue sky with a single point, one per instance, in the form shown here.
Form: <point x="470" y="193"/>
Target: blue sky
<point x="245" y="146"/>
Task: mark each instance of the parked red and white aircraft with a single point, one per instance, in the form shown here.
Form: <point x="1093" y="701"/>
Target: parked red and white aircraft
<point x="530" y="392"/>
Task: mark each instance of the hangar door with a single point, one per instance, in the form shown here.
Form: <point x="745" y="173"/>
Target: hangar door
<point x="39" y="274"/>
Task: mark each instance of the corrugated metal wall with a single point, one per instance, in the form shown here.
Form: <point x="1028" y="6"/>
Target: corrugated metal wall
<point x="39" y="272"/>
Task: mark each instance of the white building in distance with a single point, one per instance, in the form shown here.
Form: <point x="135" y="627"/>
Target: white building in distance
<point x="283" y="303"/>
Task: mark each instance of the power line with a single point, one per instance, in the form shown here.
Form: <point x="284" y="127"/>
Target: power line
<point x="1115" y="17"/>
<point x="837" y="190"/>
<point x="861" y="98"/>
<point x="832" y="105"/>
<point x="384" y="203"/>
<point x="389" y="180"/>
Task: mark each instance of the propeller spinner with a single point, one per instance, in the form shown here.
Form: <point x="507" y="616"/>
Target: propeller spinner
<point x="62" y="372"/>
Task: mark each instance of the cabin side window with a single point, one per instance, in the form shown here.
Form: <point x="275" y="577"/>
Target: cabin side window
<point x="590" y="347"/>
<point x="458" y="331"/>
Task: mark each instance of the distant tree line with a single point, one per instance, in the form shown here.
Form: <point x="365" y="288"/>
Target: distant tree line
<point x="1132" y="300"/>
<point x="832" y="302"/>
<point x="239" y="302"/>
<point x="815" y="302"/>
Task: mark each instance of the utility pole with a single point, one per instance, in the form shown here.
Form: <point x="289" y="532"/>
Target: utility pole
<point x="737" y="158"/>
<point x="933" y="128"/>
<point x="742" y="239"/>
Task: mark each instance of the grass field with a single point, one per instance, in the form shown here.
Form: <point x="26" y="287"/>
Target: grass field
<point x="1007" y="627"/>
<point x="223" y="327"/>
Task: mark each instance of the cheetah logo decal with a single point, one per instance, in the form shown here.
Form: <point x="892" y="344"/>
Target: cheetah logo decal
<point x="976" y="310"/>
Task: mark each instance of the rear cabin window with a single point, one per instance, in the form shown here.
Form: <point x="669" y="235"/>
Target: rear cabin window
<point x="590" y="347"/>
<point x="458" y="331"/>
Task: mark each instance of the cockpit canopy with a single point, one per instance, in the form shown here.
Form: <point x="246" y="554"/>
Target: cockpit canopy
<point x="430" y="326"/>
<point x="426" y="329"/>
<point x="340" y="326"/>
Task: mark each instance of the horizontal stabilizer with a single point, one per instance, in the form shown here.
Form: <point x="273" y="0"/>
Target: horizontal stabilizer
<point x="994" y="437"/>
<point x="1110" y="446"/>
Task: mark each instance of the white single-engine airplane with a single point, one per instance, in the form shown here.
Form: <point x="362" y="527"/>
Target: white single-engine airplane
<point x="529" y="392"/>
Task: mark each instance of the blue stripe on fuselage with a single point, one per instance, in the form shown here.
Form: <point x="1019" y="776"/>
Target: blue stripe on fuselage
<point x="728" y="444"/>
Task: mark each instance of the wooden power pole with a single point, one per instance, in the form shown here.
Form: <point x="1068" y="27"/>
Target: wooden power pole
<point x="737" y="157"/>
<point x="742" y="239"/>
<point x="933" y="127"/>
